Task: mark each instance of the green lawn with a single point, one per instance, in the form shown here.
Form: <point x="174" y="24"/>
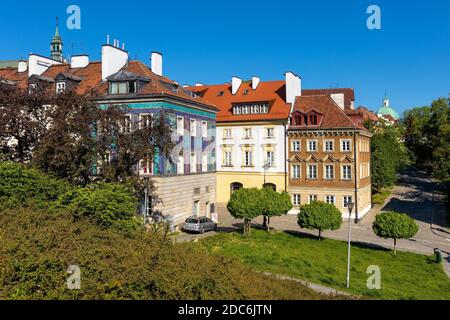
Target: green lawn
<point x="406" y="276"/>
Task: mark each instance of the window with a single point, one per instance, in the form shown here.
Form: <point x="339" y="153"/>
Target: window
<point x="312" y="145"/>
<point x="193" y="162"/>
<point x="60" y="87"/>
<point x="256" y="109"/>
<point x="204" y="162"/>
<point x="122" y="87"/>
<point x="312" y="171"/>
<point x="193" y="127"/>
<point x="295" y="146"/>
<point x="328" y="146"/>
<point x="248" y="158"/>
<point x="346" y="172"/>
<point x="250" y="108"/>
<point x="237" y="110"/>
<point x="180" y="164"/>
<point x="145" y="121"/>
<point x="227" y="158"/>
<point x="220" y="94"/>
<point x="146" y="167"/>
<point x="235" y="186"/>
<point x="346" y="200"/>
<point x="296" y="200"/>
<point x="330" y="199"/>
<point x="204" y="129"/>
<point x="180" y="126"/>
<point x="228" y="134"/>
<point x="264" y="108"/>
<point x="270" y="158"/>
<point x="107" y="158"/>
<point x="32" y="87"/>
<point x="313" y="119"/>
<point x="126" y="124"/>
<point x="312" y="198"/>
<point x="345" y="145"/>
<point x="270" y="132"/>
<point x="295" y="171"/>
<point x="247" y="133"/>
<point x="329" y="172"/>
<point x="245" y="109"/>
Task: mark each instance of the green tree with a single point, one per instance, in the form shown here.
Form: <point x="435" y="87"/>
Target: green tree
<point x="393" y="225"/>
<point x="275" y="203"/>
<point x="246" y="204"/>
<point x="320" y="216"/>
<point x="106" y="204"/>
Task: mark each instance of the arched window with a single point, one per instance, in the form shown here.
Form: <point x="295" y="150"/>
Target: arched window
<point x="270" y="186"/>
<point x="235" y="186"/>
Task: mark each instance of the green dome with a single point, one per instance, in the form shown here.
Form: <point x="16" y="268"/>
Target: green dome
<point x="389" y="111"/>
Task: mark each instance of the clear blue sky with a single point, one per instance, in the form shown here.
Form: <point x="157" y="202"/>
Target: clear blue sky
<point x="326" y="42"/>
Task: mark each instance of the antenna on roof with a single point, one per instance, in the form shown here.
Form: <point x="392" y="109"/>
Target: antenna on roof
<point x="123" y="46"/>
<point x="107" y="39"/>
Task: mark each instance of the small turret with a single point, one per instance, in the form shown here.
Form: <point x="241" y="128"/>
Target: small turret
<point x="56" y="46"/>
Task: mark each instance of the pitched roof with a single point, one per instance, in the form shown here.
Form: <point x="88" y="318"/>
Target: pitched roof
<point x="349" y="94"/>
<point x="333" y="117"/>
<point x="272" y="92"/>
<point x="12" y="74"/>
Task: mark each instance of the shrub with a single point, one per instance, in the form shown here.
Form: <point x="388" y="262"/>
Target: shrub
<point x="106" y="204"/>
<point x="393" y="225"/>
<point x="275" y="203"/>
<point x="38" y="247"/>
<point x="246" y="204"/>
<point x="319" y="216"/>
<point x="24" y="186"/>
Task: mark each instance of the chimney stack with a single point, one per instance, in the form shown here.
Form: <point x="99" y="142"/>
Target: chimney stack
<point x="80" y="61"/>
<point x="235" y="84"/>
<point x="23" y="66"/>
<point x="293" y="86"/>
<point x="255" y="82"/>
<point x="113" y="59"/>
<point x="157" y="63"/>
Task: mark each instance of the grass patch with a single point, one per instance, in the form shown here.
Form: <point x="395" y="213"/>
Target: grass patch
<point x="405" y="276"/>
<point x="381" y="196"/>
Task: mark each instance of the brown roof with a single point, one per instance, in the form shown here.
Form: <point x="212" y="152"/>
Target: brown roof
<point x="13" y="75"/>
<point x="349" y="94"/>
<point x="333" y="116"/>
<point x="272" y="92"/>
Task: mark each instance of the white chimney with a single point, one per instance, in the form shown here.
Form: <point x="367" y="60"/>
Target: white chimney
<point x="198" y="84"/>
<point x="293" y="87"/>
<point x="113" y="59"/>
<point x="339" y="99"/>
<point x="235" y="84"/>
<point x="38" y="64"/>
<point x="157" y="63"/>
<point x="23" y="66"/>
<point x="80" y="61"/>
<point x="255" y="82"/>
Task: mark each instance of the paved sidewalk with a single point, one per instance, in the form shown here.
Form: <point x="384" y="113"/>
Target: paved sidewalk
<point x="413" y="195"/>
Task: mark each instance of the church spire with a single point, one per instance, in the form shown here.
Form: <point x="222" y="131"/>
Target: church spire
<point x="56" y="46"/>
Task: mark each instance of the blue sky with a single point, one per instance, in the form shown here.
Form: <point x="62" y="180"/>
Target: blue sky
<point x="326" y="42"/>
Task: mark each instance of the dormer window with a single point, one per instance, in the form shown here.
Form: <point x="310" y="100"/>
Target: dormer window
<point x="32" y="87"/>
<point x="60" y="87"/>
<point x="251" y="108"/>
<point x="122" y="87"/>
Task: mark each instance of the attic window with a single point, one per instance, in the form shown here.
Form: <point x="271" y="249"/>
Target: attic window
<point x="220" y="94"/>
<point x="257" y="108"/>
<point x="122" y="87"/>
<point x="60" y="87"/>
<point x="245" y="92"/>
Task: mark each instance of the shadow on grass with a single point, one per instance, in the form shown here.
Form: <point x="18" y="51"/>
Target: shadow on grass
<point x="358" y="244"/>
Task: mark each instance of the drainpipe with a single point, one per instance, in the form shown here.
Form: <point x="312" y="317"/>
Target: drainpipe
<point x="356" y="177"/>
<point x="285" y="158"/>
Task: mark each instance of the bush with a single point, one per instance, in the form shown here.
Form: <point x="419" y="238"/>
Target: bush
<point x="24" y="186"/>
<point x="246" y="204"/>
<point x="106" y="204"/>
<point x="319" y="216"/>
<point x="393" y="225"/>
<point x="38" y="247"/>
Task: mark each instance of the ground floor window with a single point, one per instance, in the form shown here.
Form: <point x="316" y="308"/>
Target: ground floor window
<point x="312" y="198"/>
<point x="235" y="186"/>
<point x="330" y="199"/>
<point x="296" y="199"/>
<point x="270" y="186"/>
<point x="347" y="200"/>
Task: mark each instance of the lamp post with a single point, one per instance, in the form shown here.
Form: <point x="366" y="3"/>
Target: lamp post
<point x="350" y="208"/>
<point x="266" y="166"/>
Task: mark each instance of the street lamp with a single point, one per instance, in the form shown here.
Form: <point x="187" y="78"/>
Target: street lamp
<point x="350" y="209"/>
<point x="266" y="167"/>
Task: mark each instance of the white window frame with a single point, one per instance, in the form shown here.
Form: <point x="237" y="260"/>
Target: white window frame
<point x="127" y="124"/>
<point x="308" y="145"/>
<point x="270" y="133"/>
<point x="204" y="162"/>
<point x="141" y="120"/>
<point x="345" y="200"/>
<point x="60" y="87"/>
<point x="228" y="133"/>
<point x="204" y="129"/>
<point x="270" y="158"/>
<point x="330" y="199"/>
<point x="193" y="127"/>
<point x="193" y="162"/>
<point x="343" y="176"/>
<point x="294" y="144"/>
<point x="296" y="199"/>
<point x="248" y="158"/>
<point x="228" y="158"/>
<point x="310" y="198"/>
<point x="325" y="145"/>
<point x="180" y="125"/>
<point x="295" y="174"/>
<point x="343" y="141"/>
<point x="180" y="164"/>
<point x="308" y="171"/>
<point x="325" y="171"/>
<point x="250" y="133"/>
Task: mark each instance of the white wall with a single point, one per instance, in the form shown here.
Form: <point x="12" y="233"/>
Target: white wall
<point x="79" y="61"/>
<point x="113" y="59"/>
<point x="38" y="65"/>
<point x="258" y="141"/>
<point x="293" y="87"/>
<point x="339" y="99"/>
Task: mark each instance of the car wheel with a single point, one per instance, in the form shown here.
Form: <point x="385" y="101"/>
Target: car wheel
<point x="215" y="227"/>
<point x="202" y="230"/>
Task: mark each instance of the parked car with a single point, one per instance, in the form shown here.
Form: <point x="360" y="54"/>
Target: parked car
<point x="199" y="224"/>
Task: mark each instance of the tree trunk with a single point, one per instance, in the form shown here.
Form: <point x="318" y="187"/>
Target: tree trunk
<point x="320" y="234"/>
<point x="395" y="246"/>
<point x="264" y="222"/>
<point x="268" y="223"/>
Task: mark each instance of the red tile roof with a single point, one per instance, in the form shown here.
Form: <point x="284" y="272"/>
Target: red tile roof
<point x="349" y="94"/>
<point x="13" y="75"/>
<point x="333" y="117"/>
<point x="272" y="92"/>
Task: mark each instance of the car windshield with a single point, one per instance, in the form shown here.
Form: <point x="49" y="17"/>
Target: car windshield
<point x="192" y="220"/>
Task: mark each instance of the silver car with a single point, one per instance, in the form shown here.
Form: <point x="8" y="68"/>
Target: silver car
<point x="199" y="224"/>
